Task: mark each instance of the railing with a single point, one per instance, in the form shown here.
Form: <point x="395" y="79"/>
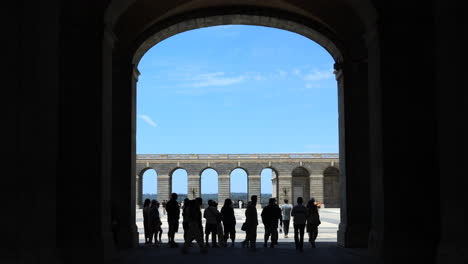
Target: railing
<point x="238" y="156"/>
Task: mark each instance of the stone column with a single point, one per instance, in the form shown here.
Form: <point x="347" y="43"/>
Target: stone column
<point x="224" y="188"/>
<point x="316" y="187"/>
<point x="194" y="186"/>
<point x="139" y="191"/>
<point x="354" y="155"/>
<point x="285" y="188"/>
<point x="254" y="187"/>
<point x="125" y="76"/>
<point x="164" y="187"/>
<point x="274" y="185"/>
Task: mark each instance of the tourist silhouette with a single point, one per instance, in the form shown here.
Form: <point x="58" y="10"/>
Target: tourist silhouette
<point x="313" y="221"/>
<point x="200" y="202"/>
<point x="211" y="227"/>
<point x="286" y="216"/>
<point x="299" y="212"/>
<point x="173" y="214"/>
<point x="194" y="219"/>
<point x="219" y="227"/>
<point x="185" y="225"/>
<point x="245" y="242"/>
<point x="252" y="222"/>
<point x="271" y="214"/>
<point x="229" y="221"/>
<point x="146" y="210"/>
<point x="155" y="223"/>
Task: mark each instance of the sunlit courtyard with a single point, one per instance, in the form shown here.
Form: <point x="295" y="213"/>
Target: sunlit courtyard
<point x="330" y="218"/>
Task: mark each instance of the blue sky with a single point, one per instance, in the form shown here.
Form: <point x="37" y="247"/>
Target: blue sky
<point x="235" y="89"/>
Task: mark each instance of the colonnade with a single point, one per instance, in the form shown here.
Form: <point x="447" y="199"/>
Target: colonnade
<point x="293" y="175"/>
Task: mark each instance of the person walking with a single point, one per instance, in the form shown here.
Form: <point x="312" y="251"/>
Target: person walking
<point x="313" y="221"/>
<point x="299" y="213"/>
<point x="286" y="216"/>
<point x="199" y="200"/>
<point x="194" y="222"/>
<point x="219" y="227"/>
<point x="146" y="210"/>
<point x="271" y="214"/>
<point x="185" y="217"/>
<point x="211" y="215"/>
<point x="155" y="223"/>
<point x="173" y="215"/>
<point x="251" y="218"/>
<point x="229" y="221"/>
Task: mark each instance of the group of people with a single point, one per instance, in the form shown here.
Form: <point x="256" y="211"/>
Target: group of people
<point x="221" y="224"/>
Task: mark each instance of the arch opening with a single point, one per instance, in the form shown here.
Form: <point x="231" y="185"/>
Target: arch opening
<point x="150" y="185"/>
<point x="209" y="186"/>
<point x="300" y="184"/>
<point x="267" y="176"/>
<point x="331" y="192"/>
<point x="179" y="183"/>
<point x="239" y="187"/>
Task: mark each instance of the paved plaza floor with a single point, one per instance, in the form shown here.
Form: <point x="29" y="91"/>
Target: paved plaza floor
<point x="330" y="218"/>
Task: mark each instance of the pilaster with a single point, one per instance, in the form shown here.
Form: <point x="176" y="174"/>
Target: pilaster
<point x="194" y="186"/>
<point x="164" y="187"/>
<point x="224" y="188"/>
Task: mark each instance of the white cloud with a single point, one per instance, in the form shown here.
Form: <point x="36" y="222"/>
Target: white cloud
<point x="283" y="73"/>
<point x="317" y="75"/>
<point x="148" y="120"/>
<point x="215" y="79"/>
<point x="312" y="85"/>
<point x="296" y="72"/>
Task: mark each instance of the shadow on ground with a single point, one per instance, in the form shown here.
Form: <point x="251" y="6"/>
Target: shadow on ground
<point x="326" y="252"/>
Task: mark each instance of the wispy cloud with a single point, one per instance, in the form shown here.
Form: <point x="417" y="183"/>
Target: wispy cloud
<point x="148" y="120"/>
<point x="215" y="79"/>
<point x="317" y="75"/>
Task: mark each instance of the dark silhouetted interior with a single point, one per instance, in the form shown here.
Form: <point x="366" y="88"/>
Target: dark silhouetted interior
<point x="71" y="80"/>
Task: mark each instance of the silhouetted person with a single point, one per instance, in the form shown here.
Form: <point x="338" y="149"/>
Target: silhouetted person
<point x="219" y="226"/>
<point x="194" y="221"/>
<point x="251" y="217"/>
<point x="211" y="227"/>
<point x="146" y="210"/>
<point x="173" y="214"/>
<point x="184" y="217"/>
<point x="286" y="216"/>
<point x="200" y="202"/>
<point x="313" y="221"/>
<point x="155" y="223"/>
<point x="245" y="243"/>
<point x="271" y="214"/>
<point x="229" y="221"/>
<point x="299" y="212"/>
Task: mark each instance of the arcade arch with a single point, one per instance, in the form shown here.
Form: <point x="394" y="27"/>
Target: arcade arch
<point x="267" y="176"/>
<point x="179" y="183"/>
<point x="209" y="185"/>
<point x="331" y="192"/>
<point x="300" y="184"/>
<point x="239" y="185"/>
<point x="344" y="42"/>
<point x="149" y="182"/>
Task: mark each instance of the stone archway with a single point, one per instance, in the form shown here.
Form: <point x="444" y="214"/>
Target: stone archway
<point x="300" y="185"/>
<point x="133" y="43"/>
<point x="331" y="192"/>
